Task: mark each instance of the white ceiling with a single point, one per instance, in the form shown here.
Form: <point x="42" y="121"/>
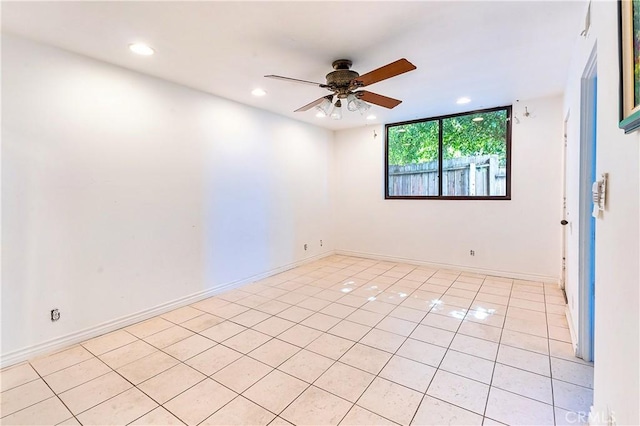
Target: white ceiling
<point x="491" y="51"/>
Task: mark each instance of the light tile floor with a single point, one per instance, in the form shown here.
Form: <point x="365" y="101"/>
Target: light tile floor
<point x="342" y="340"/>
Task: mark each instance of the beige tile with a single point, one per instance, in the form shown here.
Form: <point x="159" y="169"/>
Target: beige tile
<point x="339" y="310"/>
<point x="397" y="326"/>
<point x="460" y="391"/>
<point x="240" y="412"/>
<point x="366" y="358"/>
<point x="147" y="367"/>
<point x="181" y="315"/>
<point x="157" y="417"/>
<point x="210" y="305"/>
<point x="483" y="317"/>
<point x="127" y="354"/>
<point x="199" y="402"/>
<point x="559" y="333"/>
<point x="349" y="330"/>
<point x="15" y="376"/>
<point x="526" y="314"/>
<point x="558" y="320"/>
<point x="168" y="337"/>
<point x="241" y="374"/>
<point x="330" y="346"/>
<point x="408" y="314"/>
<point x="273" y="326"/>
<point x="253" y="300"/>
<point x="316" y="407"/>
<point x="391" y="400"/>
<point x="273" y="307"/>
<point x="314" y="304"/>
<point x="320" y="321"/>
<point x="214" y="359"/>
<point x="572" y="397"/>
<point x="527" y="304"/>
<point x="171" y="382"/>
<point x="71" y="421"/>
<point x="202" y="322"/>
<point x="345" y="381"/>
<point x="75" y="375"/>
<point x="189" y="347"/>
<point x="48" y="364"/>
<point x="525" y="341"/>
<point x="250" y="318"/>
<point x="48" y="412"/>
<point x="474" y="346"/>
<point x="306" y="365"/>
<point x="229" y="311"/>
<point x="442" y="321"/>
<point x="358" y="416"/>
<point x="406" y="372"/>
<point x="425" y="353"/>
<point x="295" y="313"/>
<point x="432" y="335"/>
<point x="108" y="342"/>
<point x="119" y="410"/>
<point x="223" y="331"/>
<point x="468" y="366"/>
<point x="383" y="340"/>
<point x="526" y="360"/>
<point x="513" y="409"/>
<point x="353" y="300"/>
<point x="247" y="341"/>
<point x="572" y="372"/>
<point x="94" y="392"/>
<point x="492" y="308"/>
<point x="275" y="391"/>
<point x="480" y="331"/>
<point x="537" y="328"/>
<point x="274" y="352"/>
<point x="434" y="412"/>
<point x="522" y="382"/>
<point x="378" y="307"/>
<point x="147" y="328"/>
<point x="300" y="335"/>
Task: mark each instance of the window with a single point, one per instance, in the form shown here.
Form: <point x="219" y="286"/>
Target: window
<point x="461" y="156"/>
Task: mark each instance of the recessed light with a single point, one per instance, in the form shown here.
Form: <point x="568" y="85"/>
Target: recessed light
<point x="461" y="101"/>
<point x="371" y="117"/>
<point x="477" y="119"/>
<point x="141" y="49"/>
<point x="258" y="92"/>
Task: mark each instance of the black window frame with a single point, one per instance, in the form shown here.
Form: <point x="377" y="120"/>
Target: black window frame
<point x="506" y="197"/>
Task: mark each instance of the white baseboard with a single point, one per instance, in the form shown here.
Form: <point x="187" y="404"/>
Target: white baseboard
<point x="52" y="345"/>
<point x="493" y="272"/>
<point x="572" y="331"/>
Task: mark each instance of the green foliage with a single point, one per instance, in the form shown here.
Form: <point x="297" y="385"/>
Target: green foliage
<point x="462" y="137"/>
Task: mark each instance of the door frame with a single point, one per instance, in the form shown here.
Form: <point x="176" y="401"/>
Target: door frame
<point x="587" y="225"/>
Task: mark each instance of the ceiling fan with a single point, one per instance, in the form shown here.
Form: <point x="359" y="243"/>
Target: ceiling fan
<point x="344" y="83"/>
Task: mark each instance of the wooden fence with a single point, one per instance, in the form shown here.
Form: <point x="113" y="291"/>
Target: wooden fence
<point x="465" y="176"/>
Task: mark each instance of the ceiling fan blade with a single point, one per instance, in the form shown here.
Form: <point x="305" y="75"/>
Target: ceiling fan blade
<point x="311" y="105"/>
<point x="391" y="70"/>
<point x="374" y="98"/>
<point x="295" y="80"/>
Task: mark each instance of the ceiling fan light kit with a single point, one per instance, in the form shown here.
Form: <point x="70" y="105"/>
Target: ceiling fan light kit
<point x="344" y="83"/>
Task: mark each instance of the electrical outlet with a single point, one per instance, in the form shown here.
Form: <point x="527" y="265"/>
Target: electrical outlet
<point x="55" y="314"/>
<point x="320" y="243"/>
<point x="472" y="252"/>
<point x="305" y="247"/>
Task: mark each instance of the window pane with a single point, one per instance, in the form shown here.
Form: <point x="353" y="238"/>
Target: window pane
<point x="413" y="159"/>
<point x="474" y="149"/>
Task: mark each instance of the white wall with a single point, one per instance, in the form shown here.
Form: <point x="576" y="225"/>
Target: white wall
<point x="518" y="237"/>
<point x="617" y="298"/>
<point x="122" y="192"/>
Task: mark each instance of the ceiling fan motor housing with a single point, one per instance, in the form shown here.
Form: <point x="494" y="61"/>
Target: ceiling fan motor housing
<point x="341" y="80"/>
